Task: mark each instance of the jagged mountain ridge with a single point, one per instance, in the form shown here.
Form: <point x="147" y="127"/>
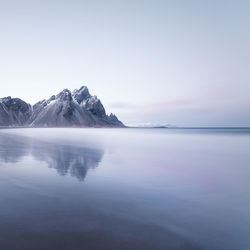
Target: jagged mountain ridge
<point x="14" y="111"/>
<point x="66" y="109"/>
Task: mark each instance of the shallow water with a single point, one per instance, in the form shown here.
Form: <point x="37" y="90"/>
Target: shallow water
<point x="125" y="189"/>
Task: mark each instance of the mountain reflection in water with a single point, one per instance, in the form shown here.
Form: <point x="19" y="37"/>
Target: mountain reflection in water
<point x="66" y="159"/>
<point x="154" y="189"/>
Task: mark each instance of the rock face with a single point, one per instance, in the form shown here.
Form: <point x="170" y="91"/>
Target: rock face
<point x="14" y="112"/>
<point x="66" y="109"/>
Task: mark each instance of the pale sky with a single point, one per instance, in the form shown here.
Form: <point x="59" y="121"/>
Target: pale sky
<point x="185" y="63"/>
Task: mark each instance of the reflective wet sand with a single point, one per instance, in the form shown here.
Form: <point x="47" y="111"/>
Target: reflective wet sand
<point x="124" y="189"/>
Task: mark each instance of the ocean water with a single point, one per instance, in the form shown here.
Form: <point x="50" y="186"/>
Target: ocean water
<point x="125" y="189"/>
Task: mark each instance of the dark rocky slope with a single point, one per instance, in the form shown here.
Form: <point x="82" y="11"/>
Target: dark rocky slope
<point x="14" y="112"/>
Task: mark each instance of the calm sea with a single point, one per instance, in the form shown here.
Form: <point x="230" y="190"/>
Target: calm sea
<point x="125" y="189"/>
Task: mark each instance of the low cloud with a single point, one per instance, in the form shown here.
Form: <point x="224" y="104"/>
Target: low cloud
<point x="211" y="106"/>
<point x="123" y="105"/>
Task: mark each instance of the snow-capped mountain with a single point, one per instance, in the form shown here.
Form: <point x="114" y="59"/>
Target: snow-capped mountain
<point x="65" y="109"/>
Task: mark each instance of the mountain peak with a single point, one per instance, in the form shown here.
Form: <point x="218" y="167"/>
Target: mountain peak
<point x="65" y="109"/>
<point x="64" y="95"/>
<point x="81" y="94"/>
<point x="14" y="111"/>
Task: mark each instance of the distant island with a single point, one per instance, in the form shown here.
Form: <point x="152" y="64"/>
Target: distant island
<point x="66" y="109"/>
